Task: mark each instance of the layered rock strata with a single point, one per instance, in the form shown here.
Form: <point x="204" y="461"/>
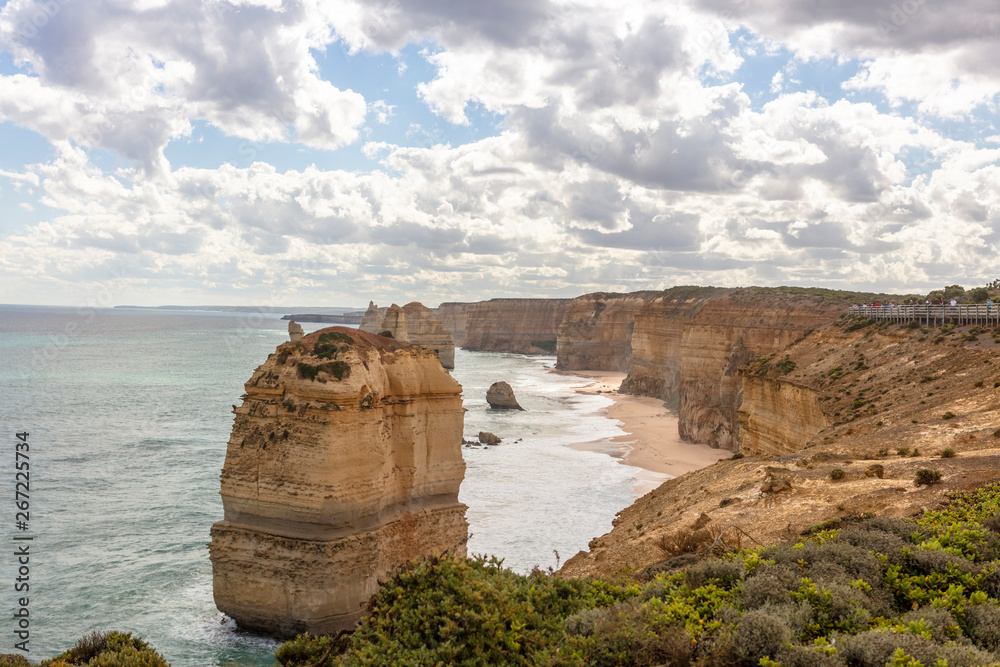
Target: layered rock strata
<point x="657" y="341"/>
<point x="453" y="316"/>
<point x="596" y="331"/>
<point x="500" y="396"/>
<point x="724" y="335"/>
<point x="415" y="323"/>
<point x="371" y="321"/>
<point x="525" y="326"/>
<point x="344" y="462"/>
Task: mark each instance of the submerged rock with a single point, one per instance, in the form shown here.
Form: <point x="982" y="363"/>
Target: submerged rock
<point x="500" y="396"/>
<point x="344" y="463"/>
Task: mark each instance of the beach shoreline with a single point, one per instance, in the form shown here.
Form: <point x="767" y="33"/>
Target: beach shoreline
<point x="651" y="442"/>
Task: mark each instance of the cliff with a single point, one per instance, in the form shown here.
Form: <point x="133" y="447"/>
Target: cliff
<point x="344" y="462"/>
<point x="453" y="316"/>
<point x="596" y="332"/>
<point x="657" y="337"/>
<point x="526" y="326"/>
<point x="727" y="333"/>
<point x="875" y="403"/>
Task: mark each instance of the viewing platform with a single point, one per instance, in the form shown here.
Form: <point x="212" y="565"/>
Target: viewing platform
<point x="932" y="314"/>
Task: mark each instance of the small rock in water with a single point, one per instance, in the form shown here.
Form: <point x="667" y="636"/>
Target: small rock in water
<point x="501" y="397"/>
<point x="488" y="438"/>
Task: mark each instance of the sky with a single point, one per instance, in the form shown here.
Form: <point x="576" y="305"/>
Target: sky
<point x="329" y="152"/>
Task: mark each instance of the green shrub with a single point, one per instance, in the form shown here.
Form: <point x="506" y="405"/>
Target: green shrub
<point x="760" y="633"/>
<point x="785" y="366"/>
<point x="837" y="474"/>
<point x="947" y="453"/>
<point x="736" y="457"/>
<point x="926" y="477"/>
<point x="948" y="415"/>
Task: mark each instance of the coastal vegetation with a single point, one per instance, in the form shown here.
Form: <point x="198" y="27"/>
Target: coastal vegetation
<point x="862" y="590"/>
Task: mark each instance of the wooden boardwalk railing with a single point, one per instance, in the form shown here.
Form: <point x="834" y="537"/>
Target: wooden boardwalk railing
<point x="932" y="314"/>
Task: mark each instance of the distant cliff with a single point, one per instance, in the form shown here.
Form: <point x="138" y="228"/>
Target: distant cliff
<point x="596" y="332"/>
<point x="526" y="326"/>
<point x="453" y="316"/>
<point x="343" y="464"/>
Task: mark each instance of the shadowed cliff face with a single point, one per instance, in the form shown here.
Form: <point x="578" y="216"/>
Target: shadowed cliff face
<point x="344" y="462"/>
<point x="596" y="332"/>
<point x="453" y="316"/>
<point x="525" y="326"/>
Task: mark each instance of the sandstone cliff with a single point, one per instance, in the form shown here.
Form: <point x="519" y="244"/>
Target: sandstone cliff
<point x="876" y="403"/>
<point x="426" y="330"/>
<point x="526" y="326"/>
<point x="727" y="333"/>
<point x="657" y="341"/>
<point x="453" y="316"/>
<point x="344" y="462"/>
<point x="371" y="321"/>
<point x="596" y="332"/>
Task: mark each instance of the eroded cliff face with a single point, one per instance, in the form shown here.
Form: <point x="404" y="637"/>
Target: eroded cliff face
<point x="525" y="326"/>
<point x="724" y="335"/>
<point x="596" y="332"/>
<point x="877" y="404"/>
<point x="371" y="321"/>
<point x="453" y="316"/>
<point x="425" y="329"/>
<point x="344" y="462"/>
<point x="657" y="341"/>
<point x="777" y="417"/>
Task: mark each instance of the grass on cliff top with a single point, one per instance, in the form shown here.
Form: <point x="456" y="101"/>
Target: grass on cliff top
<point x="873" y="592"/>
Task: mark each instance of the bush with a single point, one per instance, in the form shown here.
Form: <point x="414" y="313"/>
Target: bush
<point x="948" y="415"/>
<point x="736" y="457"/>
<point x="760" y="633"/>
<point x="875" y="470"/>
<point x="112" y="649"/>
<point x="927" y="477"/>
<point x="837" y="474"/>
<point x="947" y="453"/>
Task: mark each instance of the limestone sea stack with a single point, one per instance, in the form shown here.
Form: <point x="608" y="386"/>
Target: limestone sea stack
<point x="415" y="323"/>
<point x="371" y="321"/>
<point x="344" y="462"/>
<point x="295" y="331"/>
<point x="500" y="396"/>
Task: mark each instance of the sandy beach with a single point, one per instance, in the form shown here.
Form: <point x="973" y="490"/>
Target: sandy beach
<point x="651" y="441"/>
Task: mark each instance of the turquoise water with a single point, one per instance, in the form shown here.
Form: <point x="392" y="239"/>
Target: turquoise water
<point x="129" y="414"/>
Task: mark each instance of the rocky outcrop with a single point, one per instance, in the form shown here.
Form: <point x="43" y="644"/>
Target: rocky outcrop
<point x="371" y="321"/>
<point x="488" y="438"/>
<point x="777" y="417"/>
<point x="415" y="323"/>
<point x="525" y="326"/>
<point x="344" y="462"/>
<point x="725" y="334"/>
<point x="426" y="330"/>
<point x="500" y="396"/>
<point x="596" y="332"/>
<point x="295" y="331"/>
<point x="453" y="316"/>
<point x="657" y="337"/>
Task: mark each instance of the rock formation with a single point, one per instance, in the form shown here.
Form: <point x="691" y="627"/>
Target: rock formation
<point x="657" y="337"/>
<point x="488" y="438"/>
<point x="596" y="332"/>
<point x="724" y="335"/>
<point x="425" y="329"/>
<point x="344" y="462"/>
<point x="371" y="321"/>
<point x="415" y="323"/>
<point x="453" y="316"/>
<point x="525" y="326"/>
<point x="500" y="396"/>
<point x="295" y="331"/>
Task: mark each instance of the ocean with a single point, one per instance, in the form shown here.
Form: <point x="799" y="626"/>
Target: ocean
<point x="128" y="413"/>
